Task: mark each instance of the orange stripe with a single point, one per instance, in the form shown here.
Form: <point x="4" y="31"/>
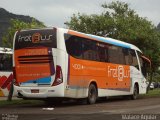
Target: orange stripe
<point x="106" y="75"/>
<point x="79" y="34"/>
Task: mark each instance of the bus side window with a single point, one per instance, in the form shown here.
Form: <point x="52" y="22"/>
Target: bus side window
<point x="143" y="64"/>
<point x="134" y="58"/>
<point x="74" y="46"/>
<point x="112" y="52"/>
<point x="90" y="50"/>
<point x="5" y="62"/>
<point x="8" y="62"/>
<point x="128" y="57"/>
<point x="121" y="56"/>
<point x="102" y="52"/>
<point x="116" y="55"/>
<point x="1" y="61"/>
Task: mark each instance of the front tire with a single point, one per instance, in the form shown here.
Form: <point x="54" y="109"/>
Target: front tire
<point x="135" y="93"/>
<point x="92" y="94"/>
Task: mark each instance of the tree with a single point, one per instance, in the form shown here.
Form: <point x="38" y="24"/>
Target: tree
<point x="158" y="26"/>
<point x="16" y="24"/>
<point x="8" y="38"/>
<point x="120" y="22"/>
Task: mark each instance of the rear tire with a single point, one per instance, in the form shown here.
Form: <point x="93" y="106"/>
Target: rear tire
<point x="135" y="93"/>
<point x="92" y="94"/>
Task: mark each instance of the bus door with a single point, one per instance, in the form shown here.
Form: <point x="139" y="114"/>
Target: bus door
<point x="144" y="66"/>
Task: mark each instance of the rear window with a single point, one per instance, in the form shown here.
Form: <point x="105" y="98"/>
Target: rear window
<point x="36" y="38"/>
<point x="5" y="62"/>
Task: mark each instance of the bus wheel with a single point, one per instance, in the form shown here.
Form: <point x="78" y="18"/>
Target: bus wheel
<point x="135" y="93"/>
<point x="92" y="94"/>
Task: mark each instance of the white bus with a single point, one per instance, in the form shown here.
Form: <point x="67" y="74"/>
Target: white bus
<point x="5" y="70"/>
<point x="62" y="63"/>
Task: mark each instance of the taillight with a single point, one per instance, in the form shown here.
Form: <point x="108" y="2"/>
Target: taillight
<point x="59" y="76"/>
<point x="14" y="77"/>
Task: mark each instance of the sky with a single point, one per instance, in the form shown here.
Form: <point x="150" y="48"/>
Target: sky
<point x="57" y="12"/>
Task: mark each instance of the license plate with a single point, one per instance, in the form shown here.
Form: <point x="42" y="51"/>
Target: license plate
<point x="34" y="91"/>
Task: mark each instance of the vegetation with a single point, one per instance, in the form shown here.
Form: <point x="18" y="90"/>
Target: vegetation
<point x="158" y="26"/>
<point x="5" y="23"/>
<point x="120" y="22"/>
<point x="117" y="21"/>
<point x="152" y="93"/>
<point x="18" y="25"/>
<point x="8" y="38"/>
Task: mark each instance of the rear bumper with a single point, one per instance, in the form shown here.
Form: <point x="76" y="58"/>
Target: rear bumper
<point x="44" y="92"/>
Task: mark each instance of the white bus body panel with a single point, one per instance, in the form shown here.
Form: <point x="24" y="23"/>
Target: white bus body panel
<point x="63" y="90"/>
<point x="44" y="92"/>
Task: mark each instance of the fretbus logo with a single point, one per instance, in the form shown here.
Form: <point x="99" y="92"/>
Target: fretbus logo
<point x="38" y="38"/>
<point x="35" y="38"/>
<point x="118" y="72"/>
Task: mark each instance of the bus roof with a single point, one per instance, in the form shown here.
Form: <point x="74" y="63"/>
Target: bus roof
<point x="5" y="50"/>
<point x="94" y="37"/>
<point x="106" y="40"/>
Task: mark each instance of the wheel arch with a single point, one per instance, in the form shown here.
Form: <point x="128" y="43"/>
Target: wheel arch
<point x="94" y="83"/>
<point x="92" y="92"/>
<point x="137" y="85"/>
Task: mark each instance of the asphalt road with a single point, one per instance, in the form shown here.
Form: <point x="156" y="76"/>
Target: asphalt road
<point x="112" y="109"/>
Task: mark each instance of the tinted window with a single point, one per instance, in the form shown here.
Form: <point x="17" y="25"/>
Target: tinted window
<point x="90" y="50"/>
<point x="143" y="64"/>
<point x="87" y="49"/>
<point x="116" y="55"/>
<point x="5" y="62"/>
<point x="103" y="52"/>
<point x="128" y="56"/>
<point x="36" y="38"/>
<point x="74" y="46"/>
<point x="135" y="61"/>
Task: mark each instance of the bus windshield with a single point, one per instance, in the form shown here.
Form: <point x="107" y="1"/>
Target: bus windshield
<point x="36" y="38"/>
